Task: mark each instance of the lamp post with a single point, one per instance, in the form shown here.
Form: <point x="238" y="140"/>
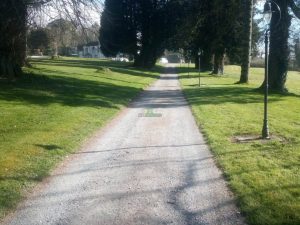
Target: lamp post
<point x="188" y="67"/>
<point x="199" y="58"/>
<point x="189" y="61"/>
<point x="267" y="18"/>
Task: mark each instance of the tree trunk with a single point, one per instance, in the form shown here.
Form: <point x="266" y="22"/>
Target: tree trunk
<point x="279" y="48"/>
<point x="9" y="68"/>
<point x="146" y="58"/>
<point x="13" y="37"/>
<point x="297" y="53"/>
<point x="247" y="40"/>
<point x="219" y="58"/>
<point x="196" y="61"/>
<point x="147" y="52"/>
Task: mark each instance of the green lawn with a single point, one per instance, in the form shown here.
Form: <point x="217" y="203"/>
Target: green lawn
<point x="53" y="109"/>
<point x="264" y="175"/>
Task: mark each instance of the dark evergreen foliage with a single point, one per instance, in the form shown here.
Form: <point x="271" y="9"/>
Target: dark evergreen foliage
<point x="117" y="32"/>
<point x="209" y="26"/>
<point x="12" y="37"/>
<point x="246" y="42"/>
<point x="136" y="27"/>
<point x="279" y="47"/>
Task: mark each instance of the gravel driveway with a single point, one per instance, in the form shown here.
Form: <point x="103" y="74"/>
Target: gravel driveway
<point x="149" y="166"/>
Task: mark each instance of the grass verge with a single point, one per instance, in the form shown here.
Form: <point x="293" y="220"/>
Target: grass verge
<point x="264" y="175"/>
<point x="48" y="113"/>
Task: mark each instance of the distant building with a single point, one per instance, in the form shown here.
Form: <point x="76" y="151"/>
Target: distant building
<point x="90" y="50"/>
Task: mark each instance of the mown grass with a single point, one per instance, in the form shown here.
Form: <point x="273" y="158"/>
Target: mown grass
<point x="48" y="113"/>
<point x="264" y="175"/>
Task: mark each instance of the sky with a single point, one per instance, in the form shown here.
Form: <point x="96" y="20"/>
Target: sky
<point x="55" y="10"/>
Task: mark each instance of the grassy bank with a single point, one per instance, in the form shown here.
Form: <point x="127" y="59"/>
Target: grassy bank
<point x="263" y="174"/>
<point x="48" y="113"/>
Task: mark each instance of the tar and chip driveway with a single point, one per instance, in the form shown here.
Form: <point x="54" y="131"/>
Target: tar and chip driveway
<point x="150" y="167"/>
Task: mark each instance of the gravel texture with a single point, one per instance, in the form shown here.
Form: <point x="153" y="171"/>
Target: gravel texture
<point x="149" y="166"/>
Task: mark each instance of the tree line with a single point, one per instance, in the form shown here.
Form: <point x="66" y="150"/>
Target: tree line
<point x="144" y="28"/>
<point x="59" y="37"/>
<point x="138" y="28"/>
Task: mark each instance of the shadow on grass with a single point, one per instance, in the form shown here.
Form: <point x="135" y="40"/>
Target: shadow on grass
<point x="118" y="67"/>
<point x="195" y="74"/>
<point x="228" y="94"/>
<point x="64" y="90"/>
<point x="183" y="75"/>
<point x="88" y="64"/>
<point x="23" y="178"/>
<point x="185" y="70"/>
<point x="49" y="147"/>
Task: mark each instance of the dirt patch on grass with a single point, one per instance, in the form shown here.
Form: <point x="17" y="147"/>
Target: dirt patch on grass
<point x="248" y="138"/>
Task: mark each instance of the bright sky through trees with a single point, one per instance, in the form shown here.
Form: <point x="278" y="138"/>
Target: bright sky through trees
<point x="50" y="12"/>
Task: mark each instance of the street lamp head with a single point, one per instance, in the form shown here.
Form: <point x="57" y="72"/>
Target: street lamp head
<point x="267" y="12"/>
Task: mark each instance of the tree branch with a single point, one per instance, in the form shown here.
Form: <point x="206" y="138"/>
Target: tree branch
<point x="295" y="8"/>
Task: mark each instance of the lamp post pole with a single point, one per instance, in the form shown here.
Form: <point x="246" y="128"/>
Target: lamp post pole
<point x="265" y="130"/>
<point x="188" y="68"/>
<point x="199" y="58"/>
<point x="189" y="61"/>
<point x="268" y="18"/>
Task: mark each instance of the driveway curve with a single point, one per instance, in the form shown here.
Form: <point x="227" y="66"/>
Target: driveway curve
<point x="150" y="166"/>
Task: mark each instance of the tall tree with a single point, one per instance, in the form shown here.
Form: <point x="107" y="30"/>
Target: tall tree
<point x="297" y="52"/>
<point x="204" y="34"/>
<point x="12" y="39"/>
<point x="152" y="27"/>
<point x="247" y="8"/>
<point x="223" y="27"/>
<point x="136" y="27"/>
<point x="279" y="47"/>
<point x="117" y="31"/>
<point x="187" y="22"/>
